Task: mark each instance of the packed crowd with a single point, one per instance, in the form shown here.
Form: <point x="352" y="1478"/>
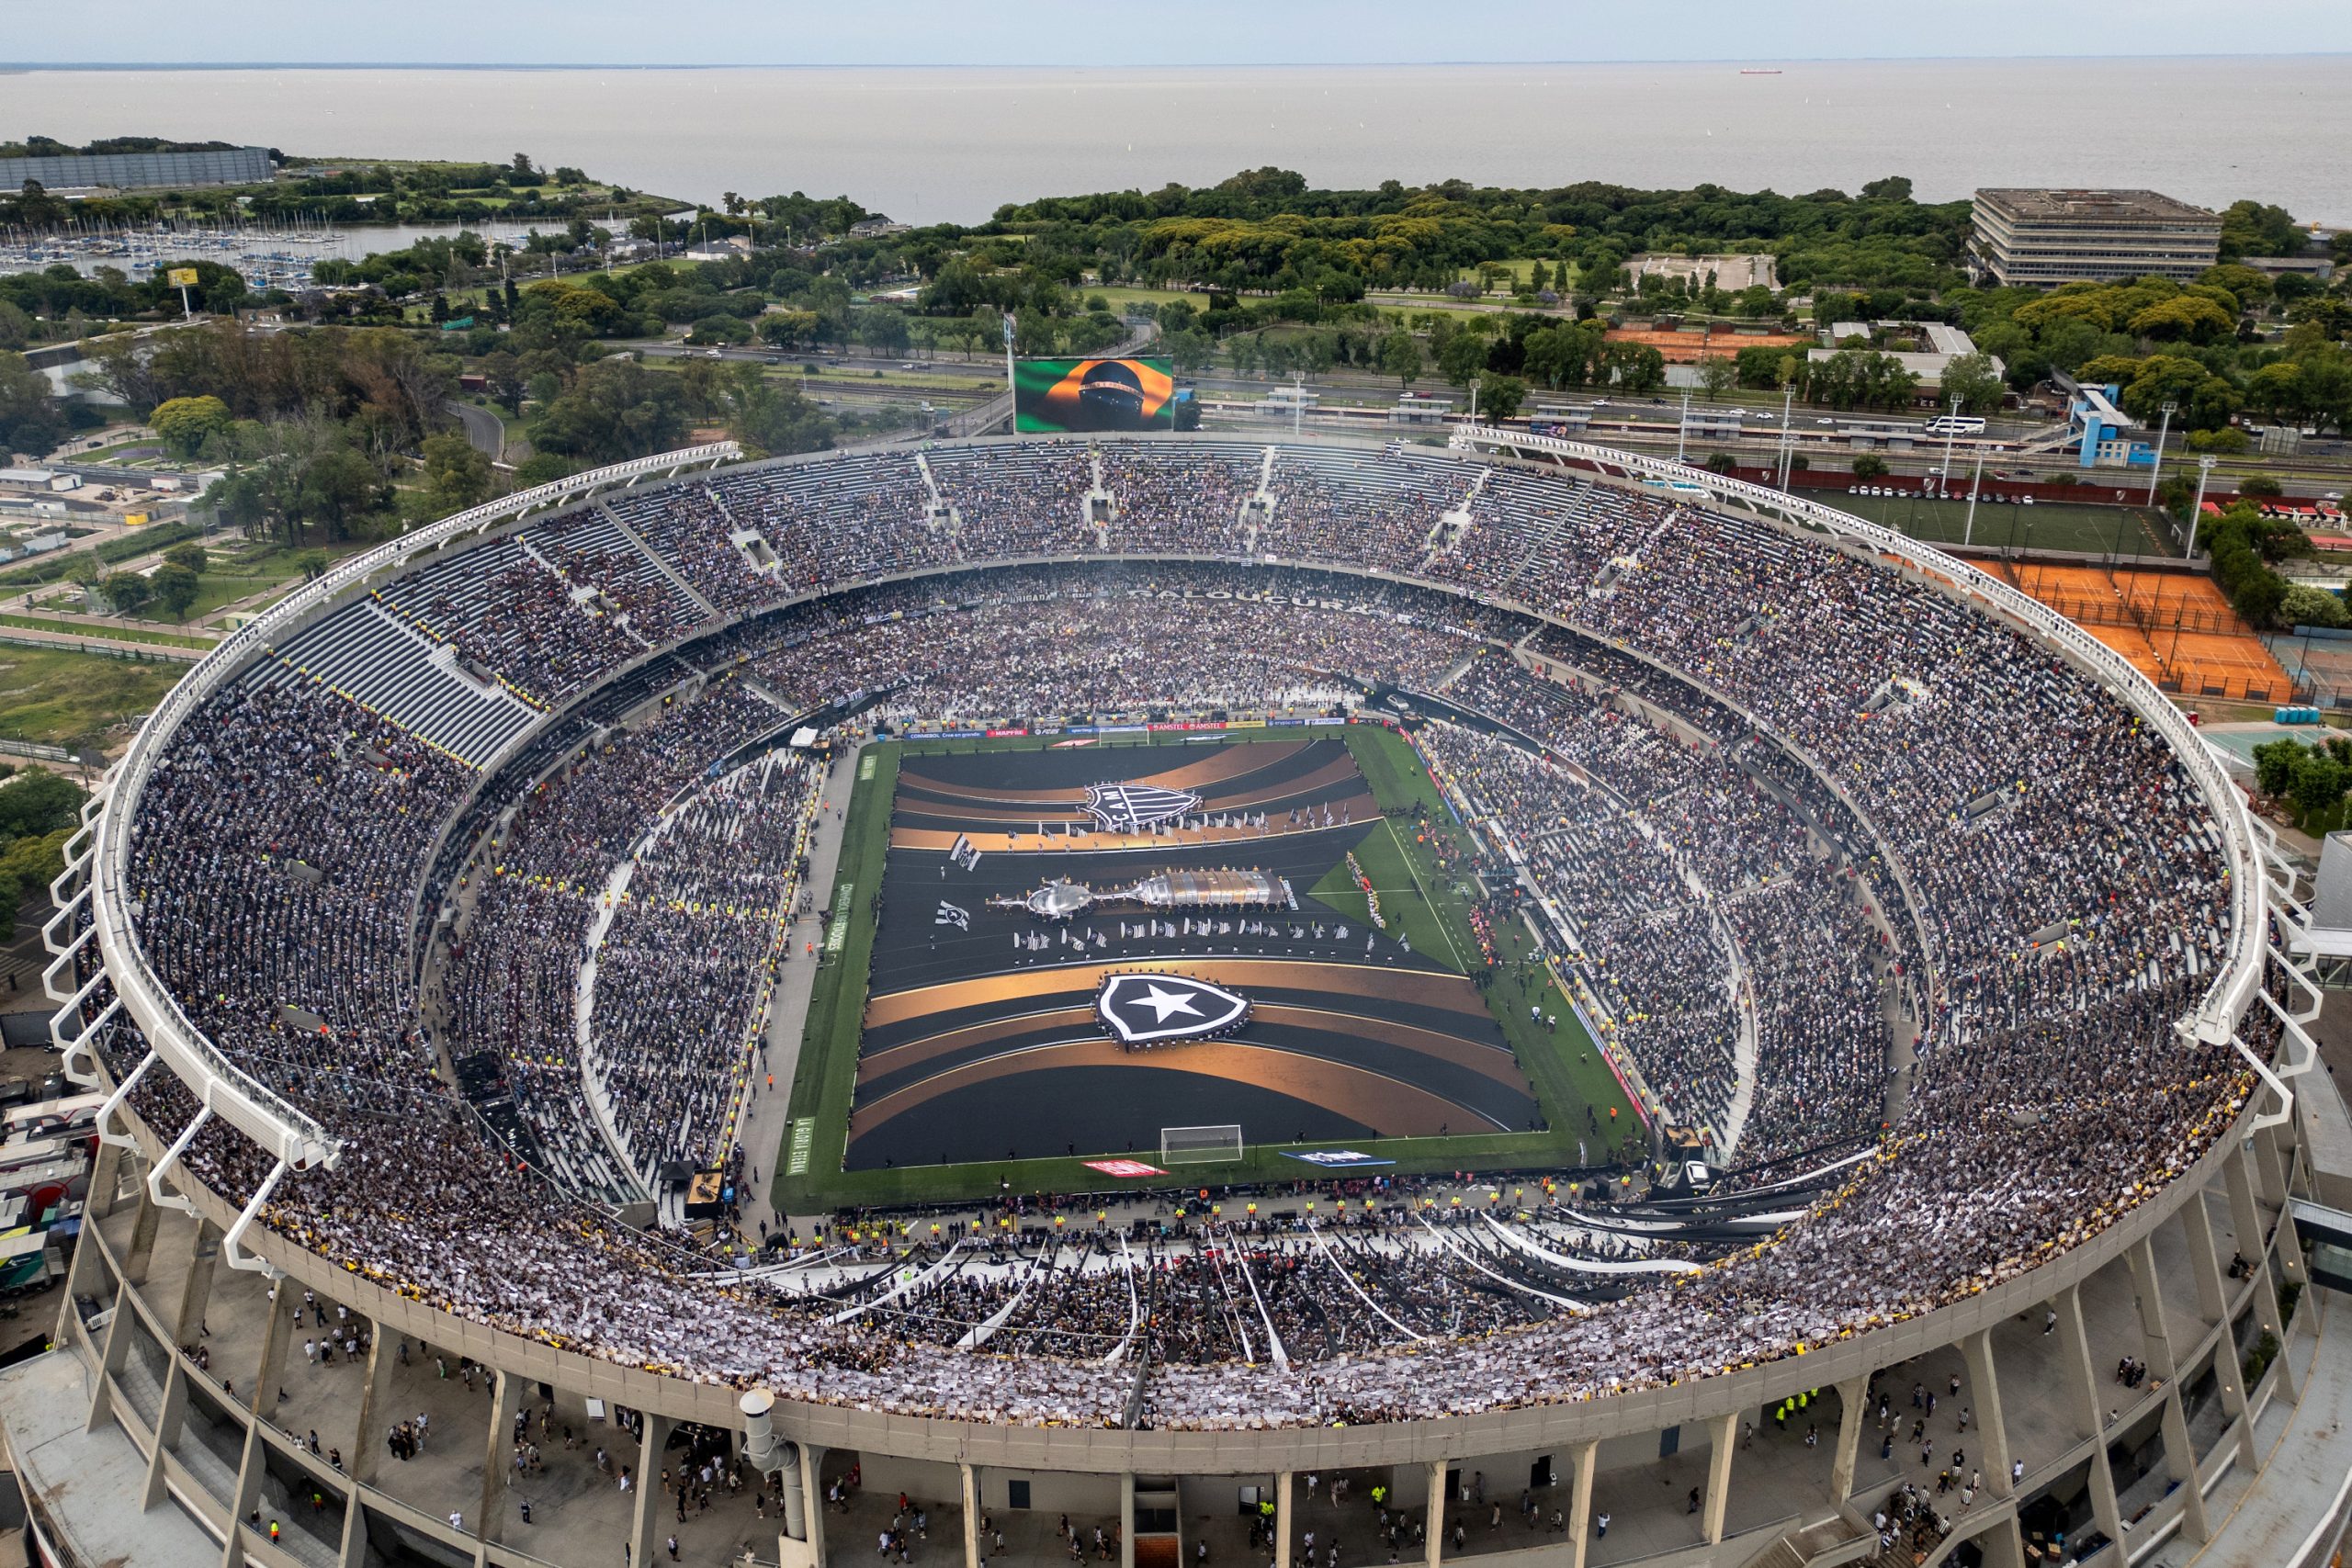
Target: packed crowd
<point x="2050" y="884"/>
<point x="1110" y="655"/>
<point x="1702" y="907"/>
<point x="512" y="618"/>
<point x="551" y="888"/>
<point x="1176" y="499"/>
<point x="682" y="969"/>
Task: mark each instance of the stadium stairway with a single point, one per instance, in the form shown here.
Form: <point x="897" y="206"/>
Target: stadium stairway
<point x="664" y="566"/>
<point x="1828" y="1543"/>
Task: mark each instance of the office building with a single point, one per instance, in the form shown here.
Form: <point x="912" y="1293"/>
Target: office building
<point x="2068" y="236"/>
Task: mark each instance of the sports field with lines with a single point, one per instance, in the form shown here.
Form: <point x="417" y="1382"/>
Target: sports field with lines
<point x="959" y="1040"/>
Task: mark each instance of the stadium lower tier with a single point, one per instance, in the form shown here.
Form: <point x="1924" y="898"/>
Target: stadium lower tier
<point x="1919" y="908"/>
<point x="2177" y="1389"/>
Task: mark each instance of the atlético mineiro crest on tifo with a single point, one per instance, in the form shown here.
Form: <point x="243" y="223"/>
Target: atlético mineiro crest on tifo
<point x="1152" y="1009"/>
<point x="1131" y="807"/>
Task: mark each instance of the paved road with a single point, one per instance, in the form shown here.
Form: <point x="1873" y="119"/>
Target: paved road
<point x="482" y="428"/>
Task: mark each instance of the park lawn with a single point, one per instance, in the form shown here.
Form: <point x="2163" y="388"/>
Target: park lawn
<point x="832" y="383"/>
<point x="1521" y="268"/>
<point x="250" y="567"/>
<point x="105" y="634"/>
<point x="1120" y="296"/>
<point x="979" y="376"/>
<point x="66" y="698"/>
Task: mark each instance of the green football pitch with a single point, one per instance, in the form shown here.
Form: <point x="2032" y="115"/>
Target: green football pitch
<point x="1564" y="1069"/>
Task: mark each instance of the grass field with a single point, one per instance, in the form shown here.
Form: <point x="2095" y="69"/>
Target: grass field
<point x="1120" y="298"/>
<point x="1402" y="903"/>
<point x="827" y="1074"/>
<point x="2092" y="530"/>
<point x="1563" y="1069"/>
<point x="69" y="698"/>
<point x="106" y="633"/>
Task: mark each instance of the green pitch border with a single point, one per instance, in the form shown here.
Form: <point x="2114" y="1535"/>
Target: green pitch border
<point x="1566" y="1069"/>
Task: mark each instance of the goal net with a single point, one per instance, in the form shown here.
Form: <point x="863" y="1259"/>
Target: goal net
<point x="1199" y="1145"/>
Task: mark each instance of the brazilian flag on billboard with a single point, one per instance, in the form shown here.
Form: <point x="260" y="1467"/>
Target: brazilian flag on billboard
<point x="1060" y="397"/>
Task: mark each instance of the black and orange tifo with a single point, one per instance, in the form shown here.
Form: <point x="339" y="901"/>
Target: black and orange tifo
<point x="982" y="1037"/>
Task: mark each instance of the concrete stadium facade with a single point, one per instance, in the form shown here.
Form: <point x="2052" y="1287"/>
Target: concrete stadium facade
<point x="124" y="1440"/>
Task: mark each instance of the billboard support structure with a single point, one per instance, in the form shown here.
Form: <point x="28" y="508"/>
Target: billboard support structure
<point x="1011" y="386"/>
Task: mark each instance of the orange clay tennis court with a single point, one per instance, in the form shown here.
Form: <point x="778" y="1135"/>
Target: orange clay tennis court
<point x="1689" y="348"/>
<point x="2177" y="629"/>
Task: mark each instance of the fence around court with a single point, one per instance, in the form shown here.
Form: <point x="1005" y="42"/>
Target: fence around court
<point x="2319" y="664"/>
<point x="2177" y="628"/>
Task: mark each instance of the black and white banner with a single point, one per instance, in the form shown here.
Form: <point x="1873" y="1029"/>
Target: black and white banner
<point x="1146" y="1010"/>
<point x="1128" y="808"/>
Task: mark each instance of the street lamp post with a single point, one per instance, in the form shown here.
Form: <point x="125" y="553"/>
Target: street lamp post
<point x="2197" y="507"/>
<point x="1788" y="435"/>
<point x="1952" y="429"/>
<point x="2157" y="468"/>
<point x="1968" y="529"/>
<point x="1682" y="430"/>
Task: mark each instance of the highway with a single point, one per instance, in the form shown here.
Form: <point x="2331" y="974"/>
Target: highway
<point x="1643" y="422"/>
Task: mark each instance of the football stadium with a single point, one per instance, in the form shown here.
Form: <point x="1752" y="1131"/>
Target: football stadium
<point x="1184" y="1000"/>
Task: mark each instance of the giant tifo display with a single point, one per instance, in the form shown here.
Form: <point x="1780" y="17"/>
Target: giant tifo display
<point x="1929" y="929"/>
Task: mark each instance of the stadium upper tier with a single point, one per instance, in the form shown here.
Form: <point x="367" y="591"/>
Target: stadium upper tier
<point x="1779" y="777"/>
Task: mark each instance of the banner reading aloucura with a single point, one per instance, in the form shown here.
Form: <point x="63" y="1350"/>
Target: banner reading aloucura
<point x="1060" y="397"/>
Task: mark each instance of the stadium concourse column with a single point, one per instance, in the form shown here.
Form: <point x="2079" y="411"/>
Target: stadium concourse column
<point x="1722" y="1430"/>
<point x="1282" y="1484"/>
<point x="970" y="1488"/>
<point x="2245" y="1219"/>
<point x="2084" y="1378"/>
<point x="2180" y="1457"/>
<point x="498" y="1462"/>
<point x="810" y="1550"/>
<point x="2213" y="1305"/>
<point x="1127" y="1519"/>
<point x="196" y="1285"/>
<point x="1976" y="1350"/>
<point x="1437" y="1501"/>
<point x="366" y="1447"/>
<point x="105" y="1183"/>
<point x="646" y="1518"/>
<point x="276" y="1333"/>
<point x="1852" y="1395"/>
<point x="1581" y="1501"/>
<point x="142" y="1237"/>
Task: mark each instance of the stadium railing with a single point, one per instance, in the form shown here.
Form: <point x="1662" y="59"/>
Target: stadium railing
<point x="2228" y="999"/>
<point x="221" y="1086"/>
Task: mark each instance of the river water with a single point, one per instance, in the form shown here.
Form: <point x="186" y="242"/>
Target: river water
<point x="931" y="144"/>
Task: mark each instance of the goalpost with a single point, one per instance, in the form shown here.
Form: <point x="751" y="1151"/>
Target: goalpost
<point x="1200" y="1145"/>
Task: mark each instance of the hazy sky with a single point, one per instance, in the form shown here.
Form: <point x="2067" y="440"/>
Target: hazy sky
<point x="1121" y="32"/>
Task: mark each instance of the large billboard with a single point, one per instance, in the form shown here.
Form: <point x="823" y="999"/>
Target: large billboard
<point x="1058" y="397"/>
